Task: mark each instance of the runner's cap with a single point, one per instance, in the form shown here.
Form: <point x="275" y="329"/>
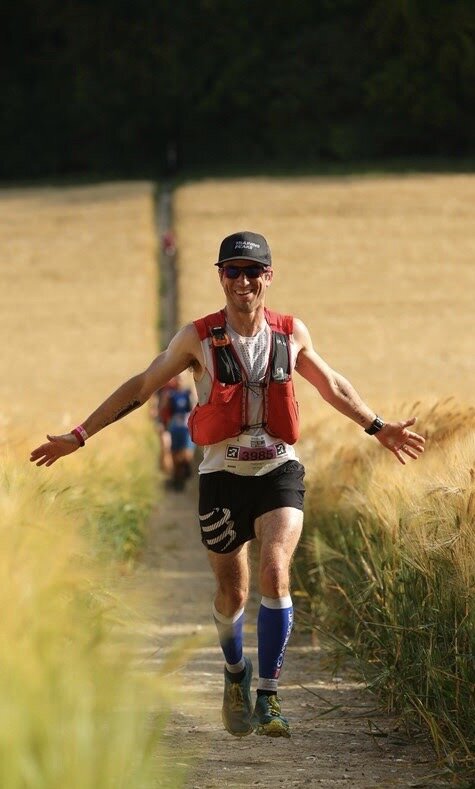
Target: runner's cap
<point x="245" y="245"/>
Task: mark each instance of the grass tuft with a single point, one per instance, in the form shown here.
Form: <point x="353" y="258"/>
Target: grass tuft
<point x="74" y="711"/>
<point x="388" y="568"/>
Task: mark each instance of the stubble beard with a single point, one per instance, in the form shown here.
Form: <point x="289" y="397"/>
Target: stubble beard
<point x="245" y="308"/>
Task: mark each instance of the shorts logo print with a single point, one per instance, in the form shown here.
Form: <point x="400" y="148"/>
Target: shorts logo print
<point x="222" y="523"/>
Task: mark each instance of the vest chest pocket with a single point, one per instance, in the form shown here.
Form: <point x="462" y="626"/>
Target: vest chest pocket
<point x="218" y="419"/>
<point x="283" y="411"/>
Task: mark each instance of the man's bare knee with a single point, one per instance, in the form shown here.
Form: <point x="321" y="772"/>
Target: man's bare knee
<point x="231" y="572"/>
<point x="274" y="579"/>
<point x="230" y="600"/>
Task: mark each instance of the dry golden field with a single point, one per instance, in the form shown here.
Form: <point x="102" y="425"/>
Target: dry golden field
<point x="77" y="300"/>
<point x="381" y="269"/>
<point x="77" y="311"/>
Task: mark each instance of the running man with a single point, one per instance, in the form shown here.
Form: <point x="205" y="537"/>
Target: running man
<point x="251" y="482"/>
<point x="160" y="413"/>
<point x="180" y="403"/>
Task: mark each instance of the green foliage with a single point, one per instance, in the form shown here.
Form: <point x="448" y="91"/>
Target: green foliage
<point x="424" y="81"/>
<point x="108" y="86"/>
<point x="114" y="493"/>
<point x="121" y="506"/>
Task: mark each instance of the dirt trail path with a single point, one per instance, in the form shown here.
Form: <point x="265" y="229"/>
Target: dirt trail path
<point x="338" y="738"/>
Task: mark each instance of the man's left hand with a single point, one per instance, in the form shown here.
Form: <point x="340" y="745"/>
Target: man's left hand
<point x="396" y="437"/>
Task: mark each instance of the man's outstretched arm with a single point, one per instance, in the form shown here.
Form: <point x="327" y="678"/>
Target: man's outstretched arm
<point x="180" y="354"/>
<point x="339" y="393"/>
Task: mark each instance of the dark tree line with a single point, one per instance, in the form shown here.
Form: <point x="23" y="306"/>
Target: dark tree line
<point x="128" y="85"/>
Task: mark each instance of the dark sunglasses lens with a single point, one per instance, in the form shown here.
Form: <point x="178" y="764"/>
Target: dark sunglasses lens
<point x="231" y="272"/>
<point x="252" y="272"/>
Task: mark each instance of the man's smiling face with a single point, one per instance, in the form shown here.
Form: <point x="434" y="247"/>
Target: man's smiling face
<point x="245" y="282"/>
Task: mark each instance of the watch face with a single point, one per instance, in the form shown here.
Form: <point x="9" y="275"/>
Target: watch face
<point x="375" y="426"/>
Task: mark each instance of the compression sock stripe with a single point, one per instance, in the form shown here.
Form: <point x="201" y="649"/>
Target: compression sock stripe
<point x="274" y="626"/>
<point x="230" y="637"/>
<point x="277" y="602"/>
<point x="227" y="620"/>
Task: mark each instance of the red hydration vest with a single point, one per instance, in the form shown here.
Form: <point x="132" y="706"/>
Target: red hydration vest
<point x="225" y="415"/>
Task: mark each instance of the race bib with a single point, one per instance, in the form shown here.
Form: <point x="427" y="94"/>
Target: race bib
<point x="251" y="455"/>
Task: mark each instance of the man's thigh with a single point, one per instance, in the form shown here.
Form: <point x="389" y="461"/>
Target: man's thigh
<point x="231" y="571"/>
<point x="278" y="533"/>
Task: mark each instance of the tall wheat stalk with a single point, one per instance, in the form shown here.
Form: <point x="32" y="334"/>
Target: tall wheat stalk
<point x="390" y="571"/>
<point x="74" y="713"/>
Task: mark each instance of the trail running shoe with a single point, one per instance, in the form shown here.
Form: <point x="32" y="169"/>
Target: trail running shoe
<point x="237" y="704"/>
<point x="267" y="718"/>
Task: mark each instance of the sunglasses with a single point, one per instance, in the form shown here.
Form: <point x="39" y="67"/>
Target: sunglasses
<point x="251" y="272"/>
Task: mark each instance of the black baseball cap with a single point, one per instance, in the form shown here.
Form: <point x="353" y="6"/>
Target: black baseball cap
<point x="245" y="245"/>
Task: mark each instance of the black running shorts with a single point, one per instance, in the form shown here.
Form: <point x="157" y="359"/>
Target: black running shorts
<point x="230" y="503"/>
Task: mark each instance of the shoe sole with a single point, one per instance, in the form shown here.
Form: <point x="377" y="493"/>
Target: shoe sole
<point x="273" y="729"/>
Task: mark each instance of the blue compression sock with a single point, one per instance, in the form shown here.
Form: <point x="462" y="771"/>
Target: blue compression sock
<point x="274" y="625"/>
<point x="230" y="638"/>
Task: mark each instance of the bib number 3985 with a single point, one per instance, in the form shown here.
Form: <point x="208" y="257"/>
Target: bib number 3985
<point x="258" y="453"/>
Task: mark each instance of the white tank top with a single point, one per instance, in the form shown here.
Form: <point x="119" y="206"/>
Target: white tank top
<point x="254" y="452"/>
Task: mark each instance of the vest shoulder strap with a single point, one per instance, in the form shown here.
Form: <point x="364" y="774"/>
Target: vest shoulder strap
<point x="211" y="321"/>
<point x="227" y="368"/>
<point x="279" y="322"/>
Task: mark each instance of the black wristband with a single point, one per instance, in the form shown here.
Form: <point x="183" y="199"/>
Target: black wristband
<point x="375" y="426"/>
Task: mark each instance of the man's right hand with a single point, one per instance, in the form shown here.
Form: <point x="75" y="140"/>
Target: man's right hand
<point x="57" y="446"/>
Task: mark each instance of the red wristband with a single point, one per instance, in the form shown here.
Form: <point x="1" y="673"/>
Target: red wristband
<point x="80" y="434"/>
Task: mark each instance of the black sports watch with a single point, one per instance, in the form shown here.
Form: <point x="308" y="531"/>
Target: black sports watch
<point x="375" y="426"/>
